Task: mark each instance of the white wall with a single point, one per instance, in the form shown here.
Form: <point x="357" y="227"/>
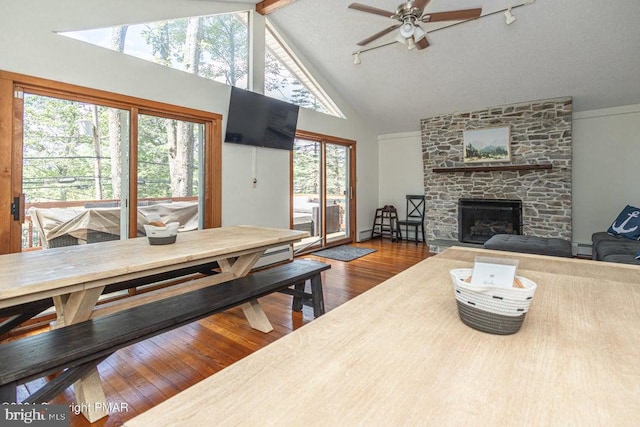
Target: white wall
<point x="400" y="166"/>
<point x="29" y="46"/>
<point x="606" y="167"/>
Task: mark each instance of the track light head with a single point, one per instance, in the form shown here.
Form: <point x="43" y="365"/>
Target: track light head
<point x="509" y="17"/>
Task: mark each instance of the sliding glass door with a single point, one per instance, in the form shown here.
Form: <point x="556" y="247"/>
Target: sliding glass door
<point x="73" y="184"/>
<point x="88" y="166"/>
<point x="322" y="190"/>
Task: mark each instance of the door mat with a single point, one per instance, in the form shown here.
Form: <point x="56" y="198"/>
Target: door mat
<point x="344" y="253"/>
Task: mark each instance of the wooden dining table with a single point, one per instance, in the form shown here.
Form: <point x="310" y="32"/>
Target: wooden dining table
<point x="76" y="276"/>
<point x="400" y="355"/>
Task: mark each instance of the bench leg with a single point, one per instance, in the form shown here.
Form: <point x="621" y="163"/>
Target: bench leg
<point x="296" y="304"/>
<point x="316" y="295"/>
<point x="60" y="383"/>
<point x="9" y="393"/>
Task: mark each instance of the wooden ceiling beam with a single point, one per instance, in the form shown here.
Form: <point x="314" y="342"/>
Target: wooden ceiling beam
<point x="267" y="6"/>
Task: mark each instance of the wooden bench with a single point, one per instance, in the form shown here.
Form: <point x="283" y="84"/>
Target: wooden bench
<point x="76" y="349"/>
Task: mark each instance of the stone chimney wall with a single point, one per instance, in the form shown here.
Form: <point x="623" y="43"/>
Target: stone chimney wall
<point x="540" y="134"/>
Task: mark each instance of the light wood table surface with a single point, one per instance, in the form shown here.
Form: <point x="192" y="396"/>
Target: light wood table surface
<point x="399" y="355"/>
<point x="75" y="276"/>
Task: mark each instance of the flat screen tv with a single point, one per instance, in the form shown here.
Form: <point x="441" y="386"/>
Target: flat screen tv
<point x="261" y="121"/>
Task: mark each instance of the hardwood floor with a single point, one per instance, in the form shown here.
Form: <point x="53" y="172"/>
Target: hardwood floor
<point x="143" y="375"/>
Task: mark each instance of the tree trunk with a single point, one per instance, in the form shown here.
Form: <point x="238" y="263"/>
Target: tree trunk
<point x="97" y="164"/>
<point x="181" y="158"/>
<point x="172" y="145"/>
<point x="232" y="54"/>
<point x="116" y="117"/>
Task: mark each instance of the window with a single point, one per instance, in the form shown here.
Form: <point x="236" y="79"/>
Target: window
<point x="215" y="47"/>
<point x="286" y="79"/>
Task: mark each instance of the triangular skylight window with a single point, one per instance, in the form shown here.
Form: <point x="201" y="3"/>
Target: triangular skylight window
<point x="288" y="80"/>
<point x="215" y="46"/>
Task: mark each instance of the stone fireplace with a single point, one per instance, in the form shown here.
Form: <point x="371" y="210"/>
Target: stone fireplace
<point x="538" y="175"/>
<point x="479" y="219"/>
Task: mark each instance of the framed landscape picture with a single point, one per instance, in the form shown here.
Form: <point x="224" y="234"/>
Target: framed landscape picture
<point x="487" y="145"/>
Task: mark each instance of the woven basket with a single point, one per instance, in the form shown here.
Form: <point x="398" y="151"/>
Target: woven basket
<point x="492" y="309"/>
<point x="162" y="235"/>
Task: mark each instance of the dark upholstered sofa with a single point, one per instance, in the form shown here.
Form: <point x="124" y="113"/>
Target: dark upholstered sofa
<point x="606" y="247"/>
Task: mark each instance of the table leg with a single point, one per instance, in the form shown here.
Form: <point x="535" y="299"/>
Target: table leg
<point x="89" y="391"/>
<point x="74" y="308"/>
<point x="241" y="266"/>
<point x="256" y="316"/>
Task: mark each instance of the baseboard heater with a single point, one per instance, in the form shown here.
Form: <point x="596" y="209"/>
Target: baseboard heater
<point x="583" y="249"/>
<point x="275" y="255"/>
<point x="364" y="235"/>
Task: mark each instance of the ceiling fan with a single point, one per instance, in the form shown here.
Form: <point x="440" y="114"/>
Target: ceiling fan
<point x="409" y="14"/>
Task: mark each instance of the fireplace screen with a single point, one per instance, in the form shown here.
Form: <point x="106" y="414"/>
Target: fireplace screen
<point x="479" y="219"/>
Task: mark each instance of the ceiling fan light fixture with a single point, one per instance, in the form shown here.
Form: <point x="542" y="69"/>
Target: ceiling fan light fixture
<point x="419" y="34"/>
<point x="509" y="17"/>
<point x="407" y="29"/>
<point x="411" y="44"/>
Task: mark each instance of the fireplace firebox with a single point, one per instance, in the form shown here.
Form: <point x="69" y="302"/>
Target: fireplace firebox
<point x="479" y="219"/>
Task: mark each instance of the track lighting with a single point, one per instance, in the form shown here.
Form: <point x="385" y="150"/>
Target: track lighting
<point x="509" y="17"/>
<point x="356" y="58"/>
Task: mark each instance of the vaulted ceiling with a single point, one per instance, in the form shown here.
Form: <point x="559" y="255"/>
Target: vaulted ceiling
<point x="586" y="49"/>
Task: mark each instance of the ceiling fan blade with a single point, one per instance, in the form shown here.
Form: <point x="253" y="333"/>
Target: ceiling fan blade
<point x="423" y="43"/>
<point x="453" y="15"/>
<point x="378" y="35"/>
<point x="370" y="9"/>
<point x="421" y="4"/>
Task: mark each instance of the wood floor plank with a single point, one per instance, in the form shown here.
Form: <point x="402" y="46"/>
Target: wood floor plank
<point x="149" y="372"/>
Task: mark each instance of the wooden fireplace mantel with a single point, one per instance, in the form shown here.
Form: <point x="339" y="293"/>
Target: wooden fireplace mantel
<point x="492" y="168"/>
